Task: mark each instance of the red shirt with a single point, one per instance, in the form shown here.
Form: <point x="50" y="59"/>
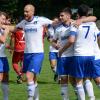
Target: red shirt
<point x="19" y="38"/>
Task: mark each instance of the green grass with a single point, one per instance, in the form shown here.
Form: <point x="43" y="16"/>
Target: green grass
<point x="49" y="90"/>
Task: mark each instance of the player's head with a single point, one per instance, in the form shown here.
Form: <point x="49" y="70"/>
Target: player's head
<point x="8" y="20"/>
<point x="56" y="21"/>
<point x="65" y="14"/>
<point x="2" y="17"/>
<point x="83" y="10"/>
<point x="29" y="10"/>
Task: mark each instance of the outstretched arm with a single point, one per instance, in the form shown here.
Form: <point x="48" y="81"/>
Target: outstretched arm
<point x="10" y="27"/>
<point x="85" y="19"/>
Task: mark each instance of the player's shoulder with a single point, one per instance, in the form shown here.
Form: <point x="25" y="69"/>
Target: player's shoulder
<point x="59" y="27"/>
<point x="89" y="24"/>
<point x="40" y="17"/>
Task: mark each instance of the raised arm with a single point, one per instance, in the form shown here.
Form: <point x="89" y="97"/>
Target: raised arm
<point x="85" y="19"/>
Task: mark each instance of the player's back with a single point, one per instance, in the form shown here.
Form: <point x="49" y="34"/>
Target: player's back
<point x="19" y="40"/>
<point x="84" y="44"/>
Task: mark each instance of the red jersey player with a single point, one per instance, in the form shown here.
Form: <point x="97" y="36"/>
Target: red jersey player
<point x="18" y="44"/>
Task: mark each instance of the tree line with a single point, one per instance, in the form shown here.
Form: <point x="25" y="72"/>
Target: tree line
<point x="48" y="8"/>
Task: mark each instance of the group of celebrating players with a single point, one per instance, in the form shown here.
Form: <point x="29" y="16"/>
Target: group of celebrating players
<point x="74" y="52"/>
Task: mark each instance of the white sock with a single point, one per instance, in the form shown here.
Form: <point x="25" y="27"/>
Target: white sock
<point x="36" y="94"/>
<point x="89" y="89"/>
<point x="54" y="69"/>
<point x="30" y="98"/>
<point x="31" y="90"/>
<point x="80" y="92"/>
<point x="5" y="90"/>
<point x="64" y="91"/>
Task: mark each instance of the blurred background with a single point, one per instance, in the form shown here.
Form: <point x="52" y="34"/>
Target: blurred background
<point x="48" y="8"/>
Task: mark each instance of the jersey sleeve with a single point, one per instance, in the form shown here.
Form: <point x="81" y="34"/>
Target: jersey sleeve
<point x="73" y="31"/>
<point x="97" y="31"/>
<point x="45" y="21"/>
<point x="21" y="24"/>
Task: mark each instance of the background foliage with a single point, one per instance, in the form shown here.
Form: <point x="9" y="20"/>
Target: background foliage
<point x="48" y="8"/>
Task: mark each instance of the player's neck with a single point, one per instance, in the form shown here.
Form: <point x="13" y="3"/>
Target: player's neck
<point x="30" y="19"/>
<point x="67" y="23"/>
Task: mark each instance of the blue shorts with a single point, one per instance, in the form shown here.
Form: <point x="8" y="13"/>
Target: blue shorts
<point x="96" y="70"/>
<point x="33" y="62"/>
<point x="4" y="66"/>
<point x="63" y="65"/>
<point x="53" y="55"/>
<point x="82" y="66"/>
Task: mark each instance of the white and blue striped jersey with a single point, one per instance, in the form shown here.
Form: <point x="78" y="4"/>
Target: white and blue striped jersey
<point x="2" y="46"/>
<point x="96" y="46"/>
<point x="62" y="33"/>
<point x="34" y="33"/>
<point x="84" y="44"/>
<point x="51" y="32"/>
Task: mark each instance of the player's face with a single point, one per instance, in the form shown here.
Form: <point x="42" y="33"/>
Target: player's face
<point x="28" y="13"/>
<point x="8" y="21"/>
<point x="64" y="17"/>
<point x="2" y="19"/>
<point x="56" y="21"/>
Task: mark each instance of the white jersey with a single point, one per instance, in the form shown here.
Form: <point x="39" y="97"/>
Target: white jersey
<point x="34" y="34"/>
<point x="51" y="32"/>
<point x="2" y="46"/>
<point x="96" y="46"/>
<point x="62" y="33"/>
<point x="84" y="44"/>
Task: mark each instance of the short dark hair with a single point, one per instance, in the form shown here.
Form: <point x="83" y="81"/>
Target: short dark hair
<point x="83" y="10"/>
<point x="66" y="10"/>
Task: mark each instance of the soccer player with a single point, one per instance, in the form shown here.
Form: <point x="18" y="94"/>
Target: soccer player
<point x="17" y="44"/>
<point x="96" y="73"/>
<point x="4" y="67"/>
<point x="62" y="34"/>
<point x="33" y="53"/>
<point x="84" y="55"/>
<point x="53" y="52"/>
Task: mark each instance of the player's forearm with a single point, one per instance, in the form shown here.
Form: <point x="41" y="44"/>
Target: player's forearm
<point x="70" y="42"/>
<point x="89" y="19"/>
<point x="66" y="47"/>
<point x="10" y="27"/>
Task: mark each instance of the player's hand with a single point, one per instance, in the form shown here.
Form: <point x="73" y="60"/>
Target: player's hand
<point x="55" y="45"/>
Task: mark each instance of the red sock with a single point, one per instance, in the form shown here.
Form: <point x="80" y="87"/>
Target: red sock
<point x="16" y="68"/>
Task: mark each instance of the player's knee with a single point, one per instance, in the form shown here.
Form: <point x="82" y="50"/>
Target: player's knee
<point x="64" y="80"/>
<point x="30" y="76"/>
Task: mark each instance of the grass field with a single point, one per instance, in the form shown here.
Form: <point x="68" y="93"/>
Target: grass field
<point x="49" y="90"/>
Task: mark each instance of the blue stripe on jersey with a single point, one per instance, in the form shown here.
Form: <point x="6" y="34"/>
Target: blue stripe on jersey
<point x="98" y="34"/>
<point x="72" y="33"/>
